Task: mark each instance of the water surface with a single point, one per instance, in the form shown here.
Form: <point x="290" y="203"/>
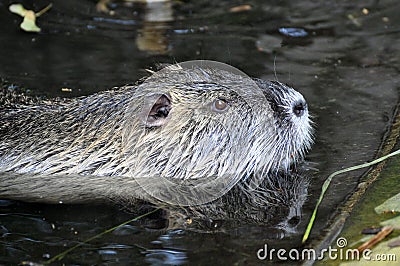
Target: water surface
<point x="342" y="56"/>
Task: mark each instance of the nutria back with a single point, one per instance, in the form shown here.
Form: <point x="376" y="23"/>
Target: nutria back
<point x="187" y="135"/>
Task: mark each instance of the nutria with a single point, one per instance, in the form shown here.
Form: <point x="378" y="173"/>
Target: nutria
<point x="186" y="135"/>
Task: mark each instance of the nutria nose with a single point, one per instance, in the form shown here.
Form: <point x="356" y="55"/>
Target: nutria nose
<point x="299" y="108"/>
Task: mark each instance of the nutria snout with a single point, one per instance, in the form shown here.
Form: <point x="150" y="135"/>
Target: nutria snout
<point x="187" y="135"/>
<point x="300" y="108"/>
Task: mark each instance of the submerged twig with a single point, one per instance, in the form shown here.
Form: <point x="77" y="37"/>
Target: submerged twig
<point x="376" y="239"/>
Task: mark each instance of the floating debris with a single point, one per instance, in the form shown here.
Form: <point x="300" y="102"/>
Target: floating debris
<point x="376" y="239"/>
<point x="241" y="8"/>
<point x="293" y="32"/>
<point x="29" y="22"/>
<point x="371" y="231"/>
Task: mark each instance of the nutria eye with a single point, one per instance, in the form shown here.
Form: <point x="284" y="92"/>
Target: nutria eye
<point x="220" y="105"/>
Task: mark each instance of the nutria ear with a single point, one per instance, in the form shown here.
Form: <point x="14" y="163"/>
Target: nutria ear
<point x="157" y="110"/>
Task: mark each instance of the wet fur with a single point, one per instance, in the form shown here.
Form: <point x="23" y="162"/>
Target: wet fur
<point x="92" y="148"/>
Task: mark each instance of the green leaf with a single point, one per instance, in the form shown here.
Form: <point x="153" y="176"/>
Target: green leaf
<point x="391" y="205"/>
<point x="29" y="23"/>
<point x="395" y="222"/>
<point x="17" y="9"/>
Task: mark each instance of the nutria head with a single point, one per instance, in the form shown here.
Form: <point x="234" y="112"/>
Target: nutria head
<point x="186" y="135"/>
<point x="207" y="128"/>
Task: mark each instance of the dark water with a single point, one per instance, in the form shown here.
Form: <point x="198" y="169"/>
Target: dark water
<point x="344" y="60"/>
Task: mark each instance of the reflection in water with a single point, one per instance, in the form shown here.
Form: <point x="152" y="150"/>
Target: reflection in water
<point x="152" y="35"/>
<point x="165" y="257"/>
<point x="272" y="211"/>
<point x="276" y="204"/>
